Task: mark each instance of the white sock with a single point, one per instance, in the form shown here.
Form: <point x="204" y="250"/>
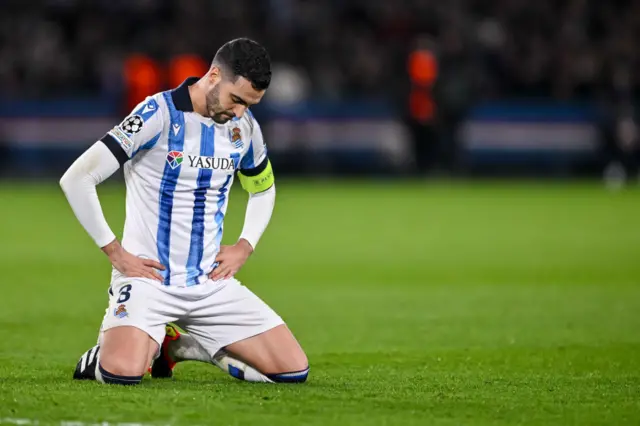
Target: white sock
<point x="186" y="348"/>
<point x="238" y="369"/>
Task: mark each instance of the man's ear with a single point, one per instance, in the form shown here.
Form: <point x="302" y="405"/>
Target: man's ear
<point x="215" y="74"/>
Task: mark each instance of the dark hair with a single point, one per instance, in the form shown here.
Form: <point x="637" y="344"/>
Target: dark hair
<point x="246" y="58"/>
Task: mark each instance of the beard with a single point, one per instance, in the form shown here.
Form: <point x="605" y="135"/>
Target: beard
<point x="214" y="108"/>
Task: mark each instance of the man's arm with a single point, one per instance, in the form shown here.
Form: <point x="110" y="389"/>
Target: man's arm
<point x="79" y="185"/>
<point x="259" y="210"/>
<point x="137" y="134"/>
<point x="256" y="177"/>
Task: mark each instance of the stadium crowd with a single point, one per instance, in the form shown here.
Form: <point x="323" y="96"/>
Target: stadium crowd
<point x="345" y="49"/>
<point x="333" y="48"/>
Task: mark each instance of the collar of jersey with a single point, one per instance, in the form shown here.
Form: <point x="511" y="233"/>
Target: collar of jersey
<point x="180" y="95"/>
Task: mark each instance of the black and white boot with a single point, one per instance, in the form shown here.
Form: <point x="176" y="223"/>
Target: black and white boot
<point x="86" y="368"/>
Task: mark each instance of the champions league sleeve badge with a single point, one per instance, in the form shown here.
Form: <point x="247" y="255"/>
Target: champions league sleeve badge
<point x="132" y="124"/>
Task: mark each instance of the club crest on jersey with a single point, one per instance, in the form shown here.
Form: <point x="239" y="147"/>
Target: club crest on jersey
<point x="213" y="163"/>
<point x="174" y="158"/>
<point x="236" y="137"/>
<point x="120" y="311"/>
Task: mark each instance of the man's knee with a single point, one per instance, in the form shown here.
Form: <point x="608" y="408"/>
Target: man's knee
<point x="124" y="356"/>
<point x="121" y="369"/>
<point x="298" y="361"/>
<point x="107" y="376"/>
<point x="299" y="376"/>
<point x="296" y="369"/>
<point x="276" y="354"/>
<point x="122" y="365"/>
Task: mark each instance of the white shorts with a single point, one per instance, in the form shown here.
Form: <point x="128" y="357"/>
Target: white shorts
<point x="216" y="314"/>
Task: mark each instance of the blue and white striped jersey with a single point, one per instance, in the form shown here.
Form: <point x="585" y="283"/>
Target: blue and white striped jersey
<point x="178" y="168"/>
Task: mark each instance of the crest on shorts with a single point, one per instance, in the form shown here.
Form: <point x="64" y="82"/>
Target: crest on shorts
<point x="120" y="311"/>
<point x="236" y="137"/>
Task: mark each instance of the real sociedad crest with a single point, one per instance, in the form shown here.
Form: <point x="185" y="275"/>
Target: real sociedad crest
<point x="236" y="138"/>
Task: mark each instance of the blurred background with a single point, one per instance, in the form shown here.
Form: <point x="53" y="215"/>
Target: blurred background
<point x="409" y="87"/>
<point x="443" y="244"/>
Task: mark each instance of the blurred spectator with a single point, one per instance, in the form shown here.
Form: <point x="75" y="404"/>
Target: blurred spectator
<point x="565" y="50"/>
<point x="341" y="50"/>
<point x="423" y="70"/>
<point x="288" y="85"/>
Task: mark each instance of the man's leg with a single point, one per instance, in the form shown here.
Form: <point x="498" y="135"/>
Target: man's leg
<point x="132" y="327"/>
<point x="239" y="333"/>
<point x="272" y="356"/>
<point x="275" y="354"/>
<point x="125" y="356"/>
<point x="122" y="357"/>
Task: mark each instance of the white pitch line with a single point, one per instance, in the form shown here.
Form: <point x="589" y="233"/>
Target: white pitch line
<point x="30" y="422"/>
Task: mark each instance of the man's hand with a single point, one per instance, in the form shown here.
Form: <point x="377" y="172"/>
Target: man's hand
<point x="230" y="259"/>
<point x="130" y="265"/>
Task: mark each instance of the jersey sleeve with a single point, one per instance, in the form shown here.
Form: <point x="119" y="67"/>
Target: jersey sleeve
<point x="138" y="131"/>
<point x="255" y="172"/>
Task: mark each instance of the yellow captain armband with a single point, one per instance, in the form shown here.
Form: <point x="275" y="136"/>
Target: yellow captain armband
<point x="258" y="179"/>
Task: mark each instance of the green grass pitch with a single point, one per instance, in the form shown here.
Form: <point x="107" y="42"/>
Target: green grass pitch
<point x="417" y="303"/>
